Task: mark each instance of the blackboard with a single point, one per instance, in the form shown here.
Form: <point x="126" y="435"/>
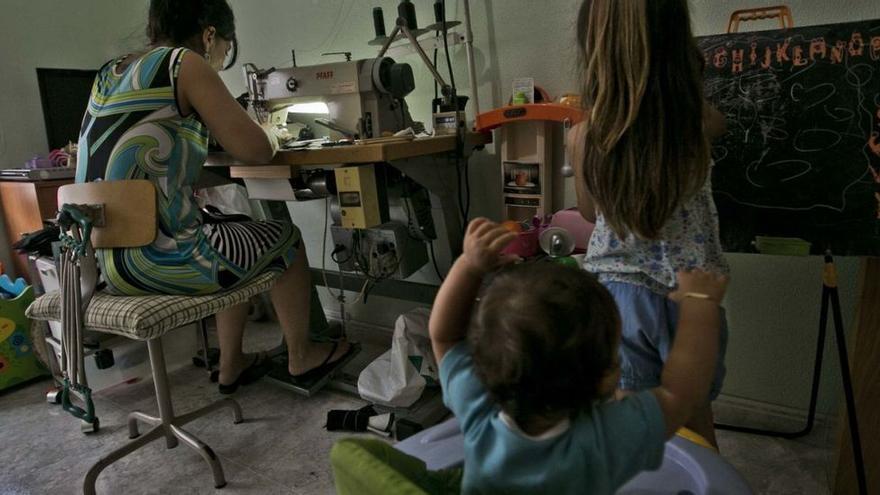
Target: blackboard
<point x="801" y="157"/>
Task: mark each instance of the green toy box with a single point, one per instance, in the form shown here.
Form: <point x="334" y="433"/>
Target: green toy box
<point x="18" y="361"/>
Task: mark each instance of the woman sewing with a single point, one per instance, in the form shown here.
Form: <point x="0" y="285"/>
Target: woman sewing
<point x="149" y="117"/>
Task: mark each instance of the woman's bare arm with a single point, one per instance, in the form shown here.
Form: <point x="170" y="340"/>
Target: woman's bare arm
<point x="200" y="89"/>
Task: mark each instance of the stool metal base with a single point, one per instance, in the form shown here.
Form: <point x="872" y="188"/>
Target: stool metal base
<point x="166" y="424"/>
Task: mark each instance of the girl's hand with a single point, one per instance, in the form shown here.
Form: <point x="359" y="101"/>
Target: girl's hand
<point x="698" y="283"/>
<point x="483" y="243"/>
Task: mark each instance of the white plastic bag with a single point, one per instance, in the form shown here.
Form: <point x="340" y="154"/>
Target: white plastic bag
<point x="398" y="377"/>
<point x="228" y="198"/>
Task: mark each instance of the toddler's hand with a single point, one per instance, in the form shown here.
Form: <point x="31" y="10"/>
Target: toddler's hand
<point x="698" y="281"/>
<point x="483" y="243"/>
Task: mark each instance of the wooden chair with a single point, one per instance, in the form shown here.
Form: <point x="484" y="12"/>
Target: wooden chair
<point x="123" y="214"/>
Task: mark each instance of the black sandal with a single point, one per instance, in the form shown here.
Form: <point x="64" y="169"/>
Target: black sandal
<point x="324" y="368"/>
<point x="257" y="369"/>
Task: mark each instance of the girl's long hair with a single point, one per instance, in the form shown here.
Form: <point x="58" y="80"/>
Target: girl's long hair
<point x="645" y="152"/>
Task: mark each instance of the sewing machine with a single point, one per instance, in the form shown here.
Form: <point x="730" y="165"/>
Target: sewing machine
<point x="352" y="99"/>
<point x="361" y="98"/>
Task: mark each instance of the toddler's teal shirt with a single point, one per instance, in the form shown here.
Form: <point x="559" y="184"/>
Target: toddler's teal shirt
<point x="597" y="453"/>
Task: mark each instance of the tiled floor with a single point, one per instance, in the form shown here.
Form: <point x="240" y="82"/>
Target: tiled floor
<point x="281" y="447"/>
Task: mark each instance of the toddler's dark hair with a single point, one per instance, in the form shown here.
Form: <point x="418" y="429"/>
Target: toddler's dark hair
<point x="543" y="337"/>
<point x="178" y="21"/>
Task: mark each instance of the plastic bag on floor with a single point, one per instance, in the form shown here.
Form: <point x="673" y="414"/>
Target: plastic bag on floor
<point x="398" y="377"/>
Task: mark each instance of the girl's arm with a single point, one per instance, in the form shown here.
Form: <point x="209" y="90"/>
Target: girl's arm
<point x="451" y="315"/>
<point x="200" y="89"/>
<point x="575" y="145"/>
<point x="714" y="123"/>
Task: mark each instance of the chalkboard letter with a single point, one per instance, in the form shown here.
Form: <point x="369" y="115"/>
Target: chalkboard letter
<point x="875" y="48"/>
<point x="768" y="54"/>
<point x="818" y="47"/>
<point x="856" y="45"/>
<point x="837" y="52"/>
<point x="799" y="59"/>
<point x="720" y="58"/>
<point x="782" y="51"/>
<point x="737" y="65"/>
<point x="753" y="54"/>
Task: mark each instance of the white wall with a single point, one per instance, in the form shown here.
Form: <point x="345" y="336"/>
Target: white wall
<point x="772" y="303"/>
<point x="53" y="34"/>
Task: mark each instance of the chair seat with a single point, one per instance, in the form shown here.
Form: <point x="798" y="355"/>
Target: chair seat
<point x="149" y="317"/>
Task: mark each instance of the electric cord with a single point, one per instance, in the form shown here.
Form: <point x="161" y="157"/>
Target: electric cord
<point x="434" y="262"/>
<point x="458" y="191"/>
<point x="464" y="204"/>
<point x="467" y="189"/>
<point x="446" y="47"/>
<point x="436" y="33"/>
<point x="341" y="296"/>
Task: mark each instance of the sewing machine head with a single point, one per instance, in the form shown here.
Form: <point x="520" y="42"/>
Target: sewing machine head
<point x="361" y="98"/>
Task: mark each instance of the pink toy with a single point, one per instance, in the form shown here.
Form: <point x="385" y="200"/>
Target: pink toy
<point x="525" y="245"/>
<point x="580" y="229"/>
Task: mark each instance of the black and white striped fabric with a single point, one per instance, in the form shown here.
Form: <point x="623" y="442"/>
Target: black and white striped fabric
<point x="244" y="243"/>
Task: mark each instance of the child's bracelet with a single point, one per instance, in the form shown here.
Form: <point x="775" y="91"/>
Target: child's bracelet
<point x="698" y="295"/>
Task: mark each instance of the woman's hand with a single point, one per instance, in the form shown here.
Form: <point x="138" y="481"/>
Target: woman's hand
<point x="483" y="243"/>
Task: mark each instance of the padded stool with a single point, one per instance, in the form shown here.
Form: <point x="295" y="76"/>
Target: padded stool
<point x="149" y="318"/>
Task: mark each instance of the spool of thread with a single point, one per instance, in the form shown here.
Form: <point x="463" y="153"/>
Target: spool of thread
<point x="378" y="22"/>
<point x="407" y="11"/>
<point x="439" y="13"/>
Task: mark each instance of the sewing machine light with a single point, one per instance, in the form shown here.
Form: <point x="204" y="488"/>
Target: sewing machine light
<point x="310" y="107"/>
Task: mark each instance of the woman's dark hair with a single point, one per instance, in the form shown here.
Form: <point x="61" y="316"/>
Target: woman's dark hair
<point x="178" y="21"/>
<point x="543" y="338"/>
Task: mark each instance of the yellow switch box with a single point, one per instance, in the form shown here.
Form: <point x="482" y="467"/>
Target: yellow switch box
<point x="358" y="197"/>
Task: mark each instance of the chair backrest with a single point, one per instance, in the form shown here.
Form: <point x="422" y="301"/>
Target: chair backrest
<point x="129" y="210"/>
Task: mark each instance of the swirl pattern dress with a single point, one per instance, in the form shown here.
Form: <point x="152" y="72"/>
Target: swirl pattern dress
<point x="133" y="129"/>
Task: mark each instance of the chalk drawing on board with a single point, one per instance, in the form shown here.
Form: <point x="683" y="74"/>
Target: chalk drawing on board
<point x="801" y="156"/>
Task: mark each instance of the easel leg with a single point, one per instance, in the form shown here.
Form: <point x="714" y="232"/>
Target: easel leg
<point x="829" y="296"/>
<point x="814" y="387"/>
<point x="848" y="391"/>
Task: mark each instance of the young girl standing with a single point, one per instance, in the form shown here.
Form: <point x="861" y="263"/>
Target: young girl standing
<point x="643" y="174"/>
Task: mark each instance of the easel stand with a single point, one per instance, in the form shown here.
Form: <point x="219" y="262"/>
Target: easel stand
<point x="829" y="296"/>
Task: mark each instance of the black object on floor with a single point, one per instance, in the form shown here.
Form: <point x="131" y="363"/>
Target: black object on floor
<point x="350" y="420"/>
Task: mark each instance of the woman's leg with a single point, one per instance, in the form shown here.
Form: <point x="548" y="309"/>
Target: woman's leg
<point x="292" y="300"/>
<point x="230" y="329"/>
